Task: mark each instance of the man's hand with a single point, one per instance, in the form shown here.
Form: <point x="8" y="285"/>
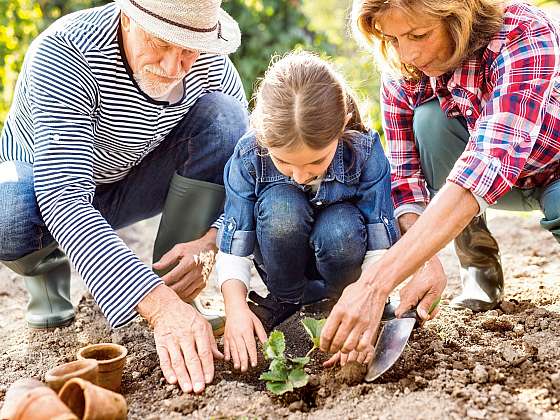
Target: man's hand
<point x="354" y="320"/>
<point x="424" y="289"/>
<point x="186" y="278"/>
<point x="363" y="357"/>
<point x="184" y="340"/>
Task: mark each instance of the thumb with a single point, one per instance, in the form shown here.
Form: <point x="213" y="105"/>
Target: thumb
<point x="259" y="329"/>
<point x="215" y="352"/>
<point x="427" y="305"/>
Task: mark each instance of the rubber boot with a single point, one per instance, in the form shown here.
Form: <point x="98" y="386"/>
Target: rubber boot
<point x="47" y="280"/>
<point x="190" y="209"/>
<point x="481" y="270"/>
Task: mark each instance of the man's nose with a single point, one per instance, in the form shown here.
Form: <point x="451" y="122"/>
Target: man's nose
<point x="171" y="62"/>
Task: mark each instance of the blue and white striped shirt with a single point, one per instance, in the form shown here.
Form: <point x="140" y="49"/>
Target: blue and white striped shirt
<point x="80" y="119"/>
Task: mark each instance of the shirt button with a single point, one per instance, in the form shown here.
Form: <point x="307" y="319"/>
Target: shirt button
<point x="230" y="226"/>
<point x="385" y="220"/>
<point x="468" y="112"/>
<point x="56" y="137"/>
<point x="319" y="203"/>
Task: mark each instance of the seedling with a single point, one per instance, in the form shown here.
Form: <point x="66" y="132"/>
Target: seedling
<point x="285" y="374"/>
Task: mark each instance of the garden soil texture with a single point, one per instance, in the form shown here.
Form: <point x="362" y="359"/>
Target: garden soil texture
<point x="502" y="364"/>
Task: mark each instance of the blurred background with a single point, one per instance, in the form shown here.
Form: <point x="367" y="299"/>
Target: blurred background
<point x="269" y="27"/>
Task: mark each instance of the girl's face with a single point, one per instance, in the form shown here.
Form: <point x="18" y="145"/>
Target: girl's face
<point x="420" y="41"/>
<point x="303" y="164"/>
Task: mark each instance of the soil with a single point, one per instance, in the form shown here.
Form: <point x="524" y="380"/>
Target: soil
<point x="502" y="364"/>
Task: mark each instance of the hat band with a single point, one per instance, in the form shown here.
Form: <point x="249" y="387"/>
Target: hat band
<point x="180" y="25"/>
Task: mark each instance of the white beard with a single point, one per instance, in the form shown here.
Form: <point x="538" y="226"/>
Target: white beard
<point x="153" y="88"/>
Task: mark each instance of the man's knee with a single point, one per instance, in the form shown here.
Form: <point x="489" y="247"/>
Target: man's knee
<point x="18" y="209"/>
<point x="227" y="113"/>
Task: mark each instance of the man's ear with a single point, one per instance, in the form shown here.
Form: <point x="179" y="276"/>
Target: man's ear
<point x="125" y="22"/>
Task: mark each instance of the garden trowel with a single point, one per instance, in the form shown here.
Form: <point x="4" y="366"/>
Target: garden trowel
<point x="392" y="339"/>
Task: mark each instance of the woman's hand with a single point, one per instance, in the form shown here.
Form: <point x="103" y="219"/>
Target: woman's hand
<point x="354" y="356"/>
<point x="239" y="337"/>
<point x="424" y="289"/>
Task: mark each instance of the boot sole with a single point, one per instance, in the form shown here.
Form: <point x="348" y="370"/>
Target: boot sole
<point x="474" y="305"/>
<point x="49" y="325"/>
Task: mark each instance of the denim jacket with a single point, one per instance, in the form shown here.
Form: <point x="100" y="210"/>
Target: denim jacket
<point x="359" y="173"/>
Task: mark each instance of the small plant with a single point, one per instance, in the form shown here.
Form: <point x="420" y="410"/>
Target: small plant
<point x="284" y="374"/>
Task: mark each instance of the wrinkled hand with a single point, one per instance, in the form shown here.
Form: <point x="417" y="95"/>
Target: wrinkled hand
<point x="363" y="357"/>
<point x="186" y="277"/>
<point x="184" y="340"/>
<point x="424" y="289"/>
<point x="354" y="320"/>
<point x="239" y="337"/>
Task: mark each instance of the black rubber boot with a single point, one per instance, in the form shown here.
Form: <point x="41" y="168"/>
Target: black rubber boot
<point x="481" y="270"/>
<point x="190" y="209"/>
<point x="47" y="279"/>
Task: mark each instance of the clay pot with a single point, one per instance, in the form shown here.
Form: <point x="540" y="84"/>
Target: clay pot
<point x="91" y="402"/>
<point x="85" y="369"/>
<point x="29" y="399"/>
<point x="111" y="359"/>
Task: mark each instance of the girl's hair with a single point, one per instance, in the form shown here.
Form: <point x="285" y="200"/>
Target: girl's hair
<point x="470" y="25"/>
<point x="303" y="100"/>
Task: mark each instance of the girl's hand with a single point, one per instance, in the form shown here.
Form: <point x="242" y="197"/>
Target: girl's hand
<point x="239" y="337"/>
<point x="363" y="357"/>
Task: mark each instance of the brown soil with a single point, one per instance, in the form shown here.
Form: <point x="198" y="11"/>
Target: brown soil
<point x="500" y="364"/>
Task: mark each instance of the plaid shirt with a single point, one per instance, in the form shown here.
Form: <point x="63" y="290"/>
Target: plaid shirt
<point x="509" y="94"/>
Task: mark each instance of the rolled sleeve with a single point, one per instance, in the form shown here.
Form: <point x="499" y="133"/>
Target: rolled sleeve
<point x="230" y="267"/>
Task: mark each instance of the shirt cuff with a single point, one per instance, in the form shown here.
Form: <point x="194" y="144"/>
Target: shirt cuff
<point x="229" y="266"/>
<point x="218" y="223"/>
<point x="482" y="204"/>
<point x="372" y="257"/>
<point x="416" y="208"/>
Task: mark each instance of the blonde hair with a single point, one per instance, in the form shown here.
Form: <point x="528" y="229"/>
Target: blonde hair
<point x="470" y="24"/>
<point x="303" y="100"/>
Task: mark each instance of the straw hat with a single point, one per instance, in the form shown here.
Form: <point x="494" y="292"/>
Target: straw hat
<point x="197" y="24"/>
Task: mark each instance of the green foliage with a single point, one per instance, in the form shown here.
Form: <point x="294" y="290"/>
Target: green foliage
<point x="284" y="374"/>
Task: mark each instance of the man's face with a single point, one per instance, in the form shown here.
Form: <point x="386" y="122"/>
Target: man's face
<point x="158" y="66"/>
<point x="420" y="40"/>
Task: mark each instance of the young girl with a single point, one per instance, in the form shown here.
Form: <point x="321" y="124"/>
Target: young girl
<point x="307" y="195"/>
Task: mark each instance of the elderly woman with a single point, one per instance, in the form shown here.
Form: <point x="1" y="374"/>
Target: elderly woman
<point x="471" y="108"/>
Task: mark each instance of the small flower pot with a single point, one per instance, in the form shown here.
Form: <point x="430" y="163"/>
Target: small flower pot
<point x="91" y="402"/>
<point x="111" y="359"/>
<point x="29" y="399"/>
<point x="85" y="369"/>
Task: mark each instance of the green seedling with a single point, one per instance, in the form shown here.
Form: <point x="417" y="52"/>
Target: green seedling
<point x="285" y="374"/>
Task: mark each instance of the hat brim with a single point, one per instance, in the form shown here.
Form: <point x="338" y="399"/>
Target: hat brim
<point x="222" y="41"/>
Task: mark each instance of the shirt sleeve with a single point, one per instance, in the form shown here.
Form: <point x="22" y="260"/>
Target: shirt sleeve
<point x="63" y="96"/>
<point x="231" y="82"/>
<point x="408" y="184"/>
<point x="230" y="266"/>
<point x="509" y="124"/>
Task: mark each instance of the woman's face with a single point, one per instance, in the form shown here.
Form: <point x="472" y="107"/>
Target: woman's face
<point x="420" y="41"/>
<point x="303" y="164"/>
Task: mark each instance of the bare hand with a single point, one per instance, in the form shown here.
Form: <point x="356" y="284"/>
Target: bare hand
<point x="354" y="320"/>
<point x="354" y="356"/>
<point x="186" y="278"/>
<point x="239" y="337"/>
<point x="184" y="340"/>
<point x="424" y="289"/>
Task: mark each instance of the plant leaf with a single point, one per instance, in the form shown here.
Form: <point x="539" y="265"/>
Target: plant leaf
<point x="298" y="377"/>
<point x="279" y="388"/>
<point x="273" y="376"/>
<point x="300" y="361"/>
<point x="314" y="327"/>
<point x="275" y="345"/>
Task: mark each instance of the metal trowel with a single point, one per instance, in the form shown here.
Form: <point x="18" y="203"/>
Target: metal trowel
<point x="392" y="339"/>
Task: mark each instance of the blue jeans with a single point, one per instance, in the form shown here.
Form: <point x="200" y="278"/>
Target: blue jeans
<point x="198" y="147"/>
<point x="300" y="249"/>
<point x="441" y="141"/>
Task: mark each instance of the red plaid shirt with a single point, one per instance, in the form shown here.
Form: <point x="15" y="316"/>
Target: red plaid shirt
<point x="509" y="95"/>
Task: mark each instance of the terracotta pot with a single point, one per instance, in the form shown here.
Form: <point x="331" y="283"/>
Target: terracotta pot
<point x="85" y="369"/>
<point x="91" y="402"/>
<point x="29" y="399"/>
<point x="111" y="359"/>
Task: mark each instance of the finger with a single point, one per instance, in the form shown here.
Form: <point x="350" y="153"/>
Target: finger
<point x="178" y="364"/>
<point x="203" y="340"/>
<point x="351" y="341"/>
<point x="194" y="365"/>
<point x="242" y="353"/>
<point x="214" y="347"/>
<point x="343" y="358"/>
<point x="347" y="331"/>
<point x="259" y="329"/>
<point x="226" y="349"/>
<point x="165" y="363"/>
<point x="251" y="346"/>
<point x="234" y="354"/>
<point x="169" y="258"/>
<point x="329" y="331"/>
<point x="367" y="338"/>
<point x="369" y="356"/>
<point x="188" y="287"/>
<point x="408" y="301"/>
<point x="333" y="360"/>
<point x="427" y="304"/>
<point x="361" y="356"/>
<point x="185" y="266"/>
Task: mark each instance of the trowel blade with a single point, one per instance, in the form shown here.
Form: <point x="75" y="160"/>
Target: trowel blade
<point x="390" y="345"/>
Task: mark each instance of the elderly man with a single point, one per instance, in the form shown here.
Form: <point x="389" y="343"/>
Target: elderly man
<point x="121" y="112"/>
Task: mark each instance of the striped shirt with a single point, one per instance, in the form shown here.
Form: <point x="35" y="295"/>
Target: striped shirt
<point x="79" y="117"/>
<point x="509" y="95"/>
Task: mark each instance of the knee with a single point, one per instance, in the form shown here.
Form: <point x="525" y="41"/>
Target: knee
<point x="226" y="112"/>
<point x="283" y="212"/>
<point x="430" y="125"/>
